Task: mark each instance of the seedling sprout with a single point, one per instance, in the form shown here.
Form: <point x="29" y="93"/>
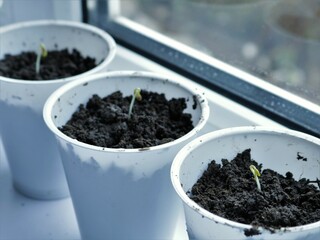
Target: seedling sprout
<point x="136" y="95"/>
<point x="256" y="174"/>
<point x="42" y="53"/>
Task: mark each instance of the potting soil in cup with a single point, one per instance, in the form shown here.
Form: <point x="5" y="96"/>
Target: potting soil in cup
<point x="105" y="122"/>
<point x="230" y="191"/>
<point x="57" y="64"/>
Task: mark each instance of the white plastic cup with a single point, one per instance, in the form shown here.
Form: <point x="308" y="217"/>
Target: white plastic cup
<point x="32" y="154"/>
<point x="276" y="149"/>
<point x="122" y="193"/>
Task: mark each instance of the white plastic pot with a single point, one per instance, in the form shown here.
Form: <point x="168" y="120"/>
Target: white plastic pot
<point x="275" y="148"/>
<point x="33" y="157"/>
<point x="121" y="193"/>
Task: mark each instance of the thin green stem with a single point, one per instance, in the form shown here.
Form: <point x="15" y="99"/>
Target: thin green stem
<point x="136" y="95"/>
<point x="42" y="53"/>
<point x="256" y="175"/>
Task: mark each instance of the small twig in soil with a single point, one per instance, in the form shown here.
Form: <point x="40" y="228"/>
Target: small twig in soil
<point x="315" y="181"/>
<point x="136" y="95"/>
<point x="42" y="53"/>
<point x="256" y="174"/>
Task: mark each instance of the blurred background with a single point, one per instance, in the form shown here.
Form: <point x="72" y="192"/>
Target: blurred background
<point x="275" y="40"/>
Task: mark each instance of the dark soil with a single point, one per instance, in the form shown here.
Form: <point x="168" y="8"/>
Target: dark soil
<point x="104" y="121"/>
<point x="229" y="190"/>
<point x="58" y="64"/>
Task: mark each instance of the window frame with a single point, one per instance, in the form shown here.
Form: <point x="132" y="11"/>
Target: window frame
<point x="280" y="106"/>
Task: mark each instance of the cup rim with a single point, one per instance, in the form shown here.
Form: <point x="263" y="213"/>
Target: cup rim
<point x="188" y="148"/>
<point x="47" y="110"/>
<point x="79" y="25"/>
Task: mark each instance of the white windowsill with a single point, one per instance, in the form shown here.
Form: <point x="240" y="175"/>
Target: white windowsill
<point x="24" y="218"/>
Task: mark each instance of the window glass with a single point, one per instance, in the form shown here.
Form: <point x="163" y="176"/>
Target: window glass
<point x="275" y="40"/>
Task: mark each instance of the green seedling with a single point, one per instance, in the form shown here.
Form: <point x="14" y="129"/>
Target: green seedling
<point x="256" y="175"/>
<point x="42" y="53"/>
<point x="136" y="95"/>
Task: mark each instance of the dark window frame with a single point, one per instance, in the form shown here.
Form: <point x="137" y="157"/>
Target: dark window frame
<point x="256" y="98"/>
